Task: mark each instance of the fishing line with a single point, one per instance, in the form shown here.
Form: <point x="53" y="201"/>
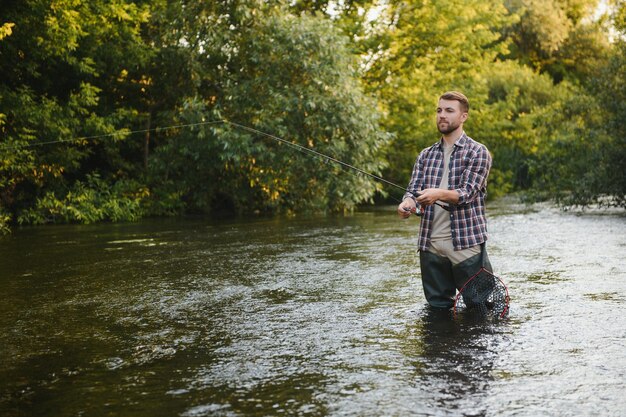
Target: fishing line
<point x="327" y="157"/>
<point x="314" y="152"/>
<point x="237" y="125"/>
<point x="106" y="135"/>
<point x="304" y="149"/>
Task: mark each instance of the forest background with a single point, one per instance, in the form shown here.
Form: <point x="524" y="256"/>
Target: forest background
<point x="113" y="110"/>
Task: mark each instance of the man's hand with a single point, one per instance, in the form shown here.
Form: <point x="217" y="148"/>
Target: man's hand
<point x="429" y="196"/>
<point x="406" y="208"/>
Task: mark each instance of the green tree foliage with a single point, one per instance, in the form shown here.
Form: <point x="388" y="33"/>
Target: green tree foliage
<point x="88" y="87"/>
<point x="289" y="76"/>
<point x="79" y="77"/>
<point x="527" y="67"/>
<point x="432" y="48"/>
<point x="513" y="104"/>
<point x="586" y="163"/>
<point x="54" y="63"/>
<point x="560" y="37"/>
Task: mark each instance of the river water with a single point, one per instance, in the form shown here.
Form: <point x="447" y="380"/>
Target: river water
<point x="308" y="316"/>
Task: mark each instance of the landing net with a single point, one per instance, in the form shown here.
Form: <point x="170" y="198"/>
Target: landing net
<point x="483" y="294"/>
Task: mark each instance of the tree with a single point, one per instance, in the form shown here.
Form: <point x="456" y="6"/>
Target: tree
<point x="560" y="37"/>
<point x="431" y="48"/>
<point x="289" y="76"/>
<point x="53" y="65"/>
<point x="590" y="157"/>
<point x="91" y="94"/>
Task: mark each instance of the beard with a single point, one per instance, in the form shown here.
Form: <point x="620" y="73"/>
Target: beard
<point x="449" y="127"/>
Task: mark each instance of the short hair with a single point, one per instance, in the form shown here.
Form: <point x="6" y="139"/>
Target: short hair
<point x="460" y="97"/>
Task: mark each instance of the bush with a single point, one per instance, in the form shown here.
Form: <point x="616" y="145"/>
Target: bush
<point x="89" y="202"/>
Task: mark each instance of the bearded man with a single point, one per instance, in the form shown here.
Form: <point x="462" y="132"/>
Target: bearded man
<point x="449" y="183"/>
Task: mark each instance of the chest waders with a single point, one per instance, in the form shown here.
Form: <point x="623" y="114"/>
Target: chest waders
<point x="441" y="279"/>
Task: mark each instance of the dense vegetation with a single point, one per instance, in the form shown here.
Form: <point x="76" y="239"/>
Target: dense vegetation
<point x="114" y="110"/>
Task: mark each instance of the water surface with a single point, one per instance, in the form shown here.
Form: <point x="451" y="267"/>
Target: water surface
<point x="308" y="316"/>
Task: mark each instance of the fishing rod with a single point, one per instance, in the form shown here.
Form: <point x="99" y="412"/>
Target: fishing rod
<point x="324" y="156"/>
<point x="237" y="125"/>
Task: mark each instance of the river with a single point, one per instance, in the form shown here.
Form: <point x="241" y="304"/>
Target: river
<point x="308" y="316"/>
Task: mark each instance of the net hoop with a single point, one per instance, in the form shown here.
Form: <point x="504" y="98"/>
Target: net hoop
<point x="494" y="301"/>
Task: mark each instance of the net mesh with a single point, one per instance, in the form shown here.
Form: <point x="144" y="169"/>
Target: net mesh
<point x="483" y="294"/>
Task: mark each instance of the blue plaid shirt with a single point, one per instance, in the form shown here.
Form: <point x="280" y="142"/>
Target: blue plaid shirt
<point x="470" y="163"/>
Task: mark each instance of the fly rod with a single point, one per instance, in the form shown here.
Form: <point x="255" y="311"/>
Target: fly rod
<point x="323" y="156"/>
<point x="237" y="125"/>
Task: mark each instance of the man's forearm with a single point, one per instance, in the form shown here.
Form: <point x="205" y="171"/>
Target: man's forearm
<point x="430" y="196"/>
<point x="449" y="196"/>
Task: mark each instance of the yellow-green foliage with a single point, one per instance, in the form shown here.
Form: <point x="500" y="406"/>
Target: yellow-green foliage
<point x="356" y="80"/>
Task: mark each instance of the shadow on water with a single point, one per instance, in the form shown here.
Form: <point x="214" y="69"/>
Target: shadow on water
<point x="453" y="358"/>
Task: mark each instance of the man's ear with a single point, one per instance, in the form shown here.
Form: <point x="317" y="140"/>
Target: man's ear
<point x="464" y="117"/>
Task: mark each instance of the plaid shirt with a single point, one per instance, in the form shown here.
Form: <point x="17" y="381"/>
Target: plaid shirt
<point x="469" y="168"/>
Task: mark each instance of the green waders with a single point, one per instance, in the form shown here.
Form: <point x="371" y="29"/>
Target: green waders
<point x="441" y="279"/>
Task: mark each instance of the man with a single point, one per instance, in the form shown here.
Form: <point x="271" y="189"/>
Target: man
<point x="449" y="182"/>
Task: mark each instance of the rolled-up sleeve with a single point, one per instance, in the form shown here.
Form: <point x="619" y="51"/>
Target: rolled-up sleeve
<point x="412" y="189"/>
<point x="473" y="180"/>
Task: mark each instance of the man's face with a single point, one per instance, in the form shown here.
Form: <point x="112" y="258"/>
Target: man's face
<point x="449" y="116"/>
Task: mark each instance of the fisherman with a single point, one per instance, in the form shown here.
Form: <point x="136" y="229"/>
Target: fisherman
<point x="449" y="183"/>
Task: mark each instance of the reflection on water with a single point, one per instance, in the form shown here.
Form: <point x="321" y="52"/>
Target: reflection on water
<point x="454" y="359"/>
<point x="307" y="316"/>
